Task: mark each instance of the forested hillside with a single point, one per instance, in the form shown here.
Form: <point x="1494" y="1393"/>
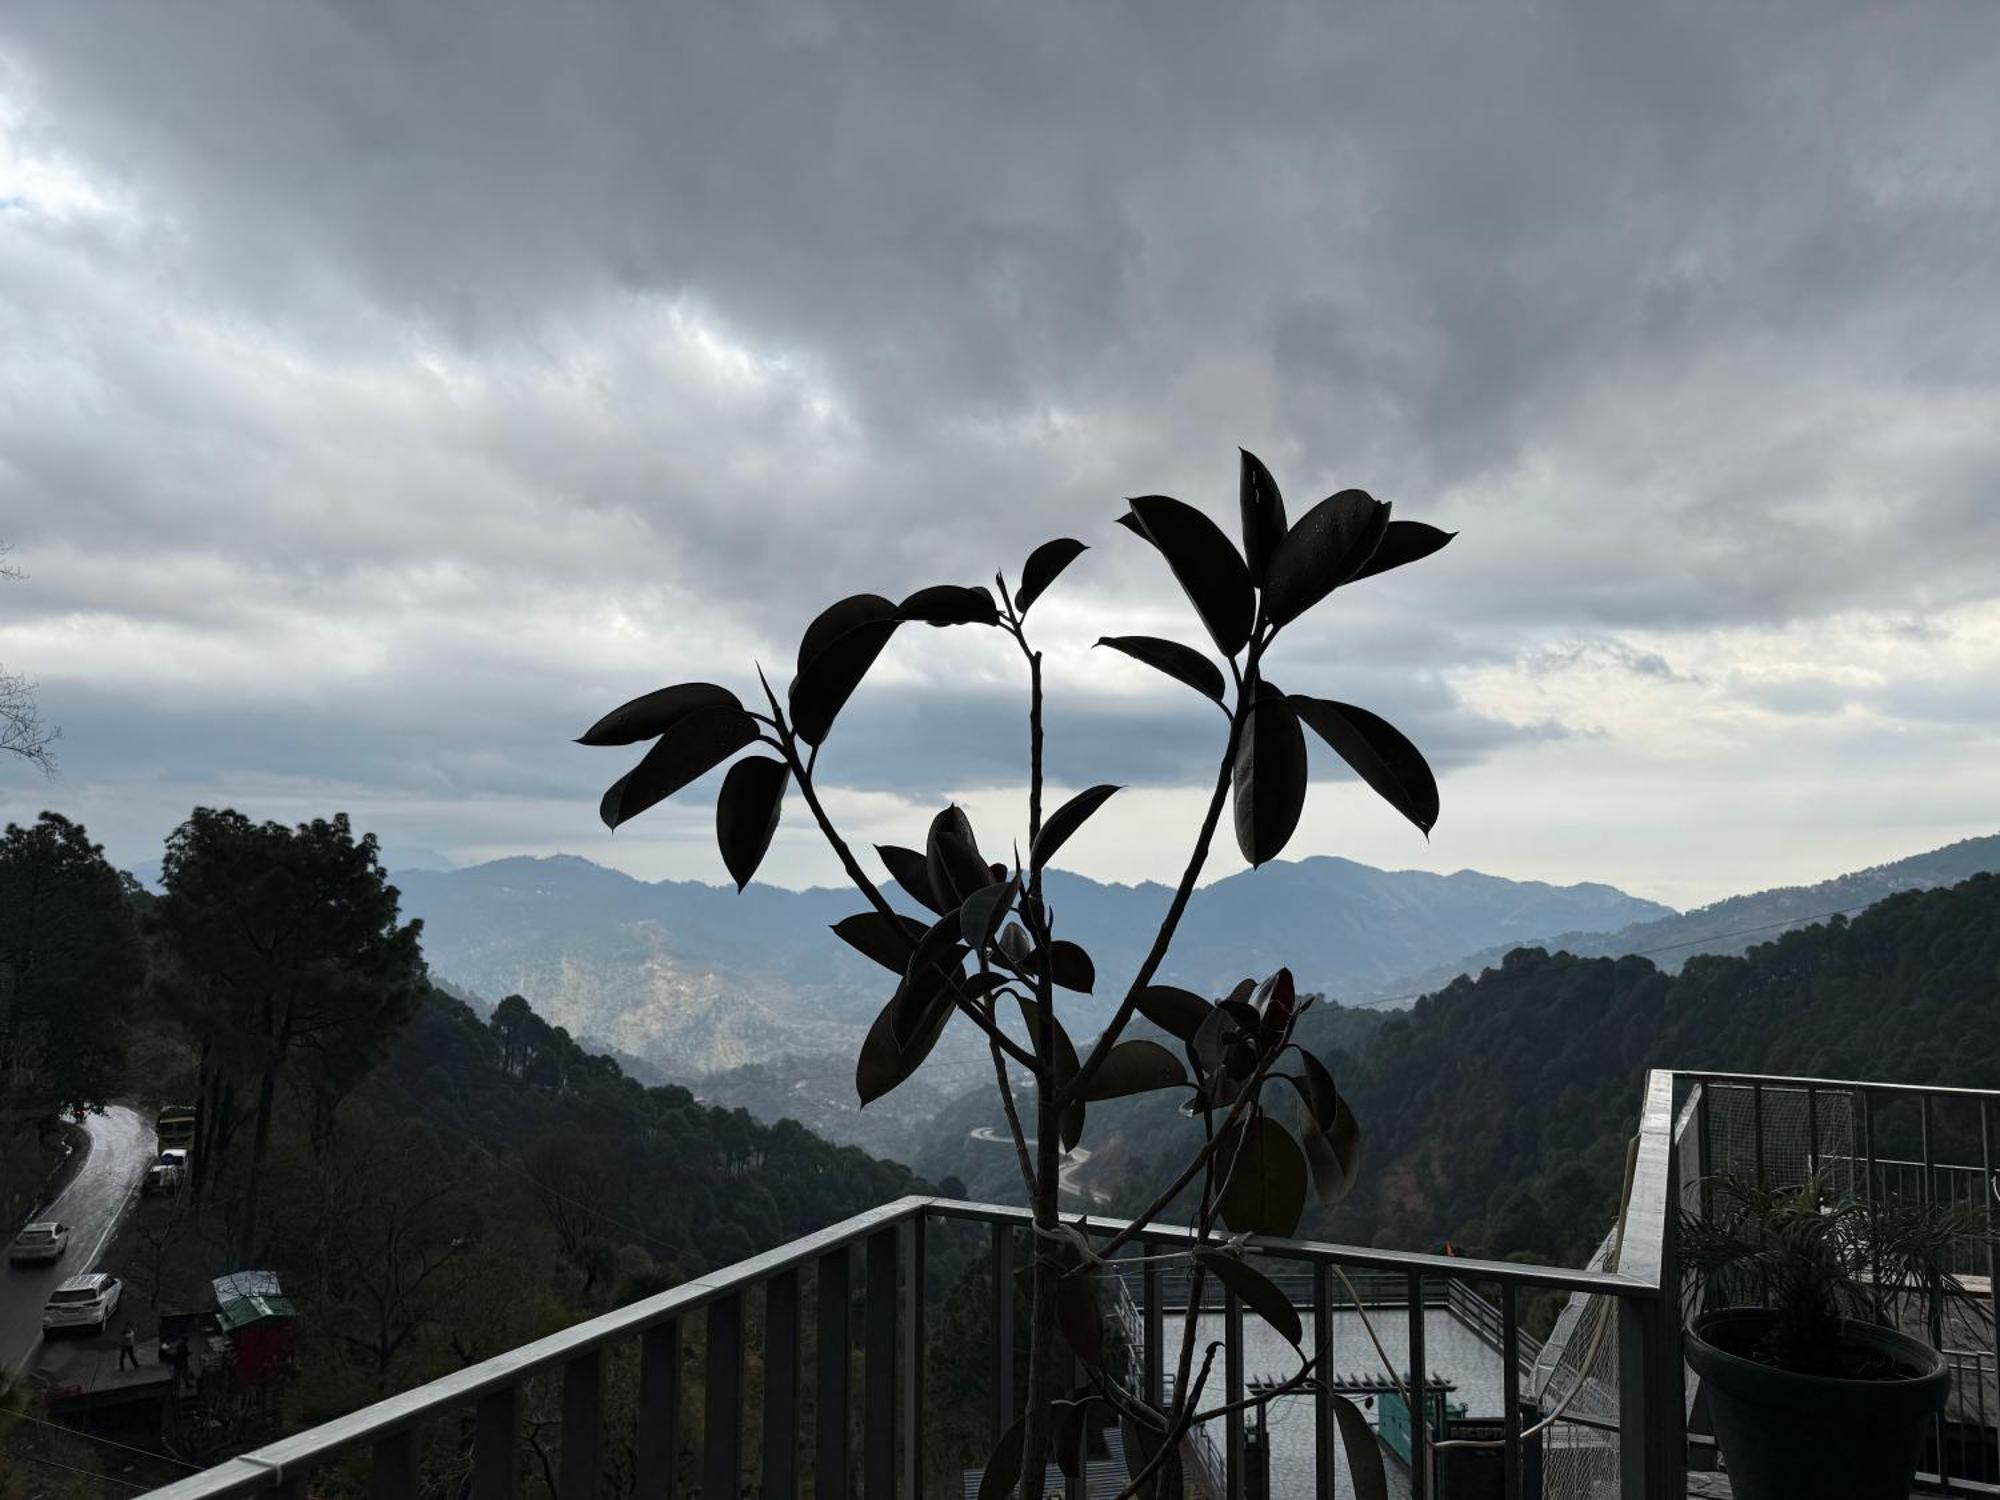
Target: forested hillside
<point x="1497" y="1110"/>
<point x="694" y="1186"/>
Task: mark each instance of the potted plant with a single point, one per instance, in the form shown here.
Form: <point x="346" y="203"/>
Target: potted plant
<point x="1812" y="1384"/>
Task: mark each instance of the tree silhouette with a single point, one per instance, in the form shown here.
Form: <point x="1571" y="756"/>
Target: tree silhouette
<point x="286" y="944"/>
<point x="22" y="731"/>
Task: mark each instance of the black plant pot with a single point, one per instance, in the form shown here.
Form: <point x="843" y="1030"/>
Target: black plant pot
<point x="1785" y="1435"/>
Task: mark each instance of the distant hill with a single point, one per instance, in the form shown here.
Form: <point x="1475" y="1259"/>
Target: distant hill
<point x="696" y="978"/>
<point x="1737" y="924"/>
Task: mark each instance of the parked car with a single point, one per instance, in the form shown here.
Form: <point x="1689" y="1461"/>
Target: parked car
<point x="168" y="1173"/>
<point x="45" y="1241"/>
<point x="83" y="1302"/>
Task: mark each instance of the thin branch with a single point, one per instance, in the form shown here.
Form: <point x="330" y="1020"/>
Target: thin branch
<point x="1170" y="923"/>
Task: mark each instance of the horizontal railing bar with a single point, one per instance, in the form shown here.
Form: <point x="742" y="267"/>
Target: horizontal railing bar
<point x="269" y="1465"/>
<point x="1783" y="1080"/>
<point x="1606" y="1283"/>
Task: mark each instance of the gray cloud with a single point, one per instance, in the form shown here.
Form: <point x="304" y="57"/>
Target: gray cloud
<point x="386" y="388"/>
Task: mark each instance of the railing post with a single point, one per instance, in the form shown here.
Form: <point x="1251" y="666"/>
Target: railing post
<point x="1153" y="1316"/>
<point x="781" y="1386"/>
<point x="392" y="1467"/>
<point x="913" y="1355"/>
<point x="493" y="1444"/>
<point x="878" y="1430"/>
<point x="722" y="1401"/>
<point x="1325" y="1439"/>
<point x="1420" y="1437"/>
<point x="1757" y="1132"/>
<point x="582" y="1426"/>
<point x="830" y="1406"/>
<point x="1003" y="1329"/>
<point x="1233" y="1463"/>
<point x="1510" y="1391"/>
<point x="659" y="1416"/>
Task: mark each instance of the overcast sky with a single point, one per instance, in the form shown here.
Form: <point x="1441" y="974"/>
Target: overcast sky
<point x="386" y="390"/>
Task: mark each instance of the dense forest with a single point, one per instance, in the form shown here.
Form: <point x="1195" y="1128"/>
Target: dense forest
<point x="432" y="1186"/>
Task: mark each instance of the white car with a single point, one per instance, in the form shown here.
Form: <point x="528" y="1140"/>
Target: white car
<point x="45" y="1241"/>
<point x="83" y="1302"/>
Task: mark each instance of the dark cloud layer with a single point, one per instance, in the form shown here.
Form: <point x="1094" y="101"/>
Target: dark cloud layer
<point x="391" y="385"/>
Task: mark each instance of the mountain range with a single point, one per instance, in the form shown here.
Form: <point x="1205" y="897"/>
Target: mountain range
<point x="697" y="978"/>
<point x="1736" y="925"/>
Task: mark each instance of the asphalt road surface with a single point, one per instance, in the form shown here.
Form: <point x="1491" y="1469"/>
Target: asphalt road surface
<point x="97" y="1199"/>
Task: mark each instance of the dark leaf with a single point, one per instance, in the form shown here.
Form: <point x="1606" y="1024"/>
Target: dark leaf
<point x="1017" y="945"/>
<point x="1256" y="1292"/>
<point x="1379" y="755"/>
<point x="1265" y="1175"/>
<point x="1269" y="777"/>
<point x="653" y="715"/>
<point x="1071" y="968"/>
<point x="885" y="1063"/>
<point x="1182" y="663"/>
<point x="1219" y="1050"/>
<point x="1403" y="542"/>
<point x="1136" y="1067"/>
<point x="933" y="967"/>
<point x="1065" y="821"/>
<point x="1277" y="1002"/>
<point x="1003" y="1465"/>
<point x="1331" y="542"/>
<point x="746" y="813"/>
<point x="952" y="856"/>
<point x="1206" y="563"/>
<point x="911" y="871"/>
<point x="951" y="604"/>
<point x="1334" y="1155"/>
<point x="1263" y="516"/>
<point x="835" y="654"/>
<point x="983" y="912"/>
<point x="1080" y="1316"/>
<point x="1069" y="1423"/>
<point x="698" y="742"/>
<point x="1321" y="1098"/>
<point x="1069" y="1124"/>
<point x="1131" y="523"/>
<point x="975" y="985"/>
<point x="1069" y="1129"/>
<point x="1176" y="1012"/>
<point x="1141" y="1443"/>
<point x="1241" y="994"/>
<point x="1043" y="566"/>
<point x="890" y="944"/>
<point x="1364" y="1452"/>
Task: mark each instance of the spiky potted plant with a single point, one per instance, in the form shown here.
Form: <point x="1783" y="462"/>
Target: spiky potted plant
<point x="1812" y="1384"/>
<point x="965" y="937"/>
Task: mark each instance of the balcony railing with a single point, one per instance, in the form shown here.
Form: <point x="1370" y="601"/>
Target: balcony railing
<point x="843" y="1314"/>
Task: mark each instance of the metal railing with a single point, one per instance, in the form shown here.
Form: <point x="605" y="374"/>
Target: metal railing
<point x="485" y="1402"/>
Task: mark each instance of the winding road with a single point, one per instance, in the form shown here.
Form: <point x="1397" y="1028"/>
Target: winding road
<point x="1072" y="1163"/>
<point x="93" y="1205"/>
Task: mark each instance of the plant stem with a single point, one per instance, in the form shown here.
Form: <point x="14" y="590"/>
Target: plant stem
<point x="1170" y="923"/>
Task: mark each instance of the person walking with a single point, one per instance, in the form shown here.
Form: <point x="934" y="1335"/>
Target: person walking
<point x="128" y="1347"/>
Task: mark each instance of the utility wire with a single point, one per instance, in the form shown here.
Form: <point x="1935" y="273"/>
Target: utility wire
<point x="93" y="1438"/>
